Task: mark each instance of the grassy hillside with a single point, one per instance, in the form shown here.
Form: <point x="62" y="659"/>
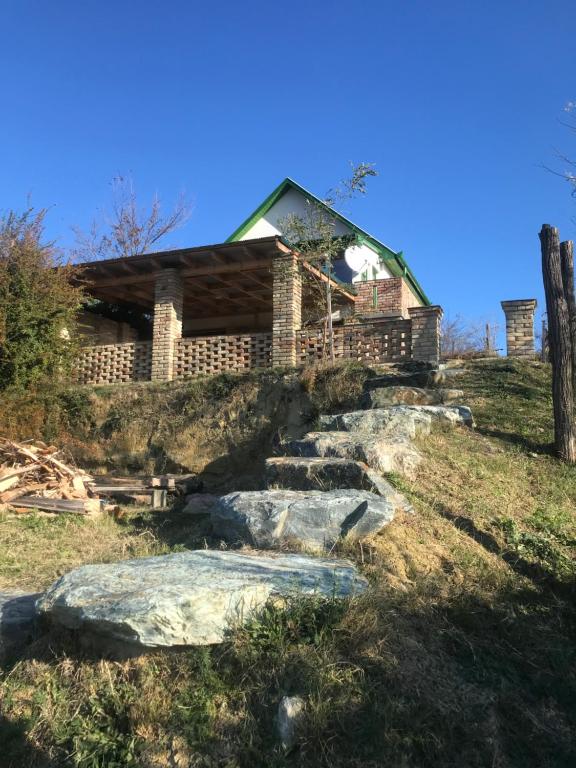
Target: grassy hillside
<point x="462" y="653"/>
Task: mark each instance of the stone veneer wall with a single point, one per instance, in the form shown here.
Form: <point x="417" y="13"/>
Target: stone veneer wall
<point x="426" y="333"/>
<point x="286" y="309"/>
<point x="167" y="328"/>
<point x="390" y="294"/>
<point x="519" y="327"/>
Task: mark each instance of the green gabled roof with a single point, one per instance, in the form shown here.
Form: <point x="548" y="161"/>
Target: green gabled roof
<point x="394" y="260"/>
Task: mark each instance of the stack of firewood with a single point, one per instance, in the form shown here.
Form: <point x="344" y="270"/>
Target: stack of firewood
<point x="34" y="475"/>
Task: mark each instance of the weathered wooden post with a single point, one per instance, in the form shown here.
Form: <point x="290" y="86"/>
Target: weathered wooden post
<point x="567" y="261"/>
<point x="560" y="344"/>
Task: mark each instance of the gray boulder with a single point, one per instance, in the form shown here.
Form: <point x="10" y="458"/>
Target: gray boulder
<point x="405" y="421"/>
<point x="17" y="620"/>
<point x="315" y="520"/>
<point x="186" y="598"/>
<point x="381" y="453"/>
<point x="401" y="395"/>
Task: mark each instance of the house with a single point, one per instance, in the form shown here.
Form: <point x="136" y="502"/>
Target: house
<point x="244" y="304"/>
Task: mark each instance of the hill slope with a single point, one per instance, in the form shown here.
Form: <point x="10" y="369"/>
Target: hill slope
<point x="461" y="654"/>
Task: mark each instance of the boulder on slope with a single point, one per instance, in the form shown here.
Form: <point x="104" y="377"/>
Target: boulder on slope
<point x="185" y="598"/>
<point x="315" y="520"/>
<point x="405" y="421"/>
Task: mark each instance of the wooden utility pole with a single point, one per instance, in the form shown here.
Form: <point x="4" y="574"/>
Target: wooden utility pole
<point x="567" y="261"/>
<point x="560" y="344"/>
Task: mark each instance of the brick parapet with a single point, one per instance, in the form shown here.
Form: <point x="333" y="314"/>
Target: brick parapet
<point x="519" y="327"/>
<point x="389" y="294"/>
<point x="426" y="333"/>
<point x="286" y="309"/>
<point x="167" y="327"/>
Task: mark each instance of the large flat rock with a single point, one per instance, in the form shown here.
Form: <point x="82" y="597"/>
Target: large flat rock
<point x="315" y="520"/>
<point x="384" y="454"/>
<point x="403" y="395"/>
<point x="186" y="598"/>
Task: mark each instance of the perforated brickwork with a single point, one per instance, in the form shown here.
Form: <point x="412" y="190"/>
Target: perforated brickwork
<point x="384" y="342"/>
<point x="204" y="355"/>
<point x="115" y="363"/>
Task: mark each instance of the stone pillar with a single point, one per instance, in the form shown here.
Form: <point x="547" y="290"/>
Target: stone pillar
<point x="168" y="300"/>
<point x="286" y="309"/>
<point x="426" y="333"/>
<point x="519" y="327"/>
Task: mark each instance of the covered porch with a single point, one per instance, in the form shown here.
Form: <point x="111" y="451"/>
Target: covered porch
<point x="226" y="307"/>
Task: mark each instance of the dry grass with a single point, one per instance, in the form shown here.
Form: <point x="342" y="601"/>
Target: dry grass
<point x="36" y="549"/>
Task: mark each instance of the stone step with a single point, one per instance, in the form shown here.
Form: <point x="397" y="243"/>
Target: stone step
<point x="315" y="520"/>
<point x="424" y="378"/>
<point x="404" y="421"/>
<point x="419" y="378"/>
<point x="301" y="473"/>
<point x="383" y="454"/>
<point x="402" y="395"/>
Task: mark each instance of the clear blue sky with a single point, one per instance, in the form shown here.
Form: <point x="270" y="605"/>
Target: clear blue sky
<point x="457" y="103"/>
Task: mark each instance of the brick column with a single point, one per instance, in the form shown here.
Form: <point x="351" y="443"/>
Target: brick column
<point x="286" y="309"/>
<point x="168" y="299"/>
<point x="426" y="333"/>
<point x="519" y="327"/>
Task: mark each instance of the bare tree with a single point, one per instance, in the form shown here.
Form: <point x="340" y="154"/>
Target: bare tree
<point x="314" y="235"/>
<point x="128" y="229"/>
<point x="464" y="338"/>
<point x="560" y="342"/>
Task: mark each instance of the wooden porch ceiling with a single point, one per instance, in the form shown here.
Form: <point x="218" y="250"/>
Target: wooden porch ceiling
<point x="223" y="279"/>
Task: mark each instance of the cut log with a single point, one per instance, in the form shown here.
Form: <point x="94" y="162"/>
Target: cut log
<point x="72" y="506"/>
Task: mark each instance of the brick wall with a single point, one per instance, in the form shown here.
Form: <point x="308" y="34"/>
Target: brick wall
<point x="426" y="333"/>
<point x="286" y="309"/>
<point x="519" y="327"/>
<point x="167" y="328"/>
<point x="391" y="294"/>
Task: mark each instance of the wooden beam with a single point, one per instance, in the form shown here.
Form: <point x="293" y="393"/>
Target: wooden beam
<point x="198" y="271"/>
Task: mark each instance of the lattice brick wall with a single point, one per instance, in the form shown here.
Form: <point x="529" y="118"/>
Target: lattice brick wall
<point x="115" y="363"/>
<point x="372" y="342"/>
<point x="204" y="355"/>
